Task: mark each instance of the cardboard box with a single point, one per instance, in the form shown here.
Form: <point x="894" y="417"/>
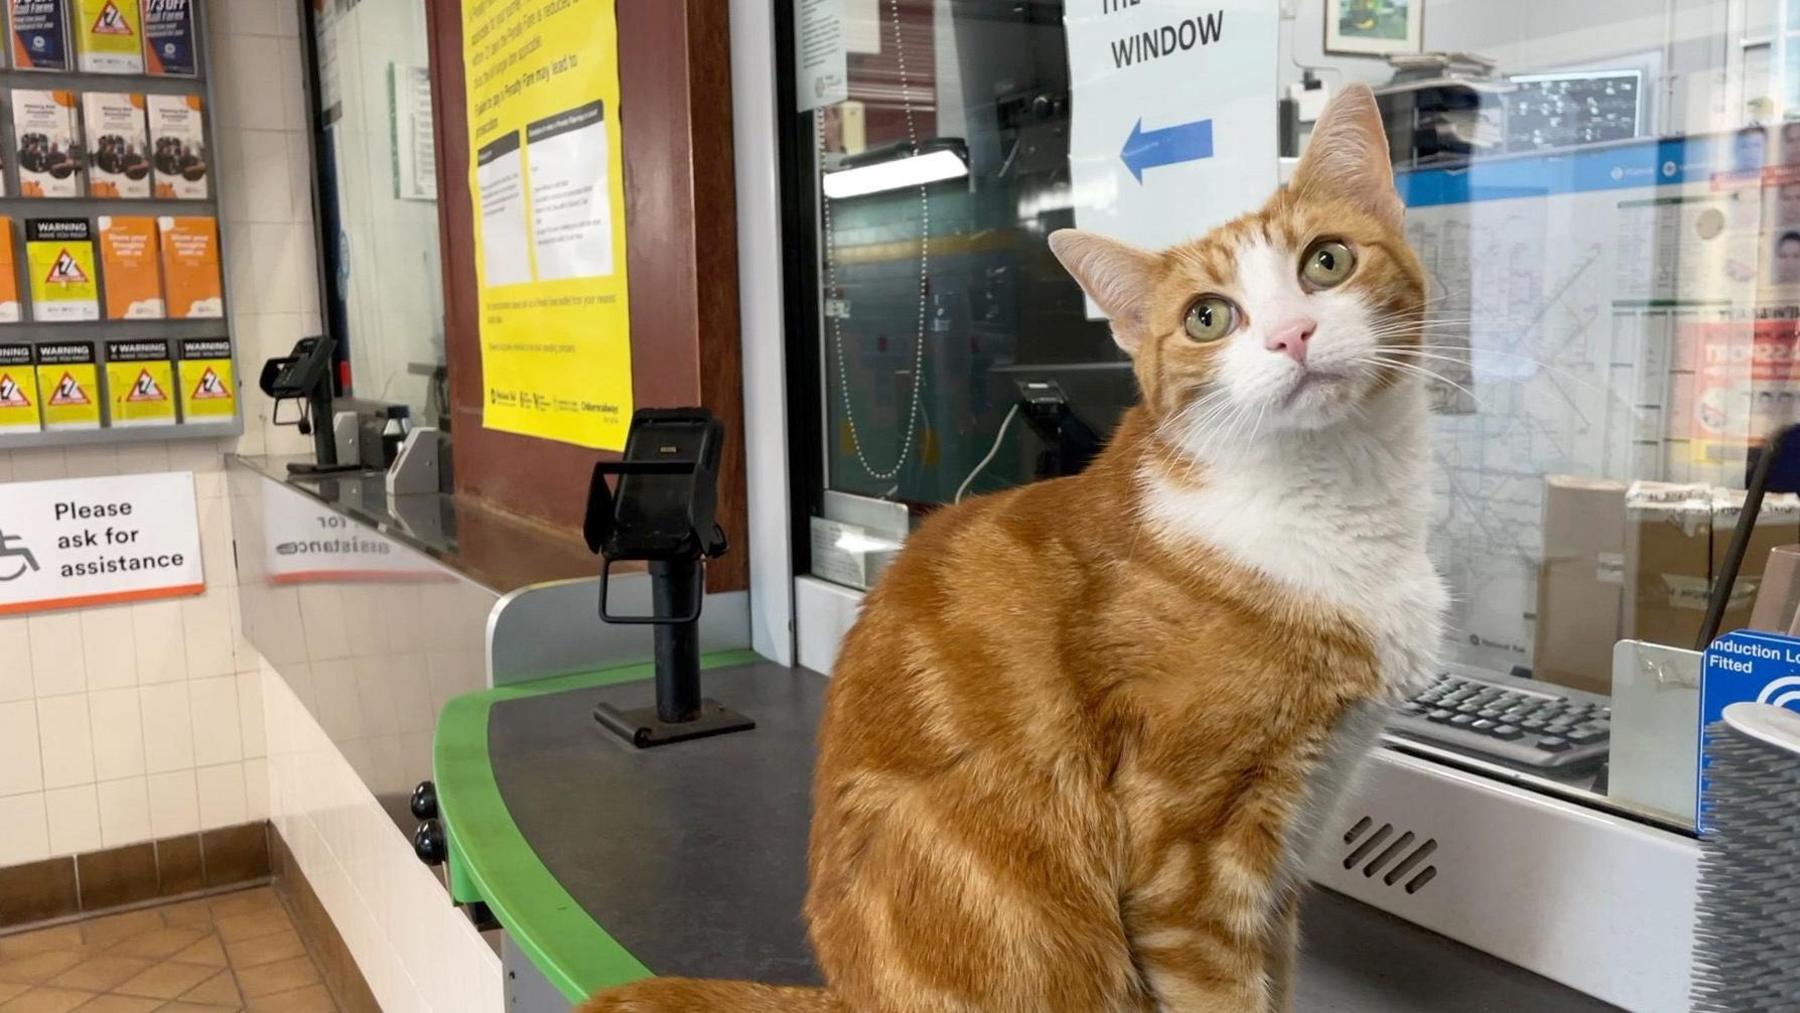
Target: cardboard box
<point x="109" y="37"/>
<point x="208" y="389"/>
<point x="1581" y="582"/>
<point x="59" y="259"/>
<point x="18" y="391"/>
<point x="1678" y="537"/>
<point x="1777" y="608"/>
<point x="140" y="378"/>
<point x="69" y="382"/>
<point x="1778" y="523"/>
<point x="190" y="259"/>
<point x="1668" y="561"/>
<point x="118" y="144"/>
<point x="169" y="49"/>
<point x="40" y="34"/>
<point x="178" y="147"/>
<point x="45" y="137"/>
<point x="128" y="260"/>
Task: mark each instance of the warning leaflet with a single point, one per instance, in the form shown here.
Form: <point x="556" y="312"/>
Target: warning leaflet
<point x="140" y="378"/>
<point x="69" y="385"/>
<point x="204" y="377"/>
<point x="59" y="259"/>
<point x="18" y="391"/>
<point x="109" y="37"/>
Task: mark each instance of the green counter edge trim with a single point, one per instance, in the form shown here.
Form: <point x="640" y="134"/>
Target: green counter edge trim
<point x="566" y="944"/>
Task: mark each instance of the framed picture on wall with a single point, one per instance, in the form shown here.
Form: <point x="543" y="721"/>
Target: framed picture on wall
<point x="1374" y="27"/>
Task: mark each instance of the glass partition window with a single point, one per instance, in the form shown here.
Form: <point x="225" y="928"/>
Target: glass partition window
<point x="1606" y="197"/>
<point x="378" y="195"/>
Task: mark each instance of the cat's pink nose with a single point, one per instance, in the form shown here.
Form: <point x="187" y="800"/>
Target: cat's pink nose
<point x="1292" y="337"/>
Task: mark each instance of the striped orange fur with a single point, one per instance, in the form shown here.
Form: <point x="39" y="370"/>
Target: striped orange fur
<point x="1075" y="742"/>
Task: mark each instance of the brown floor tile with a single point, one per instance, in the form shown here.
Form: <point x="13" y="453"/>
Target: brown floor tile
<point x="114" y="929"/>
<point x="39" y="968"/>
<point x="178" y="868"/>
<point x="236" y="854"/>
<point x="38" y="891"/>
<point x="207" y="953"/>
<point x="101" y="973"/>
<point x="313" y="999"/>
<point x="191" y="914"/>
<point x="281" y="976"/>
<point x="46" y="1000"/>
<point x="218" y="990"/>
<point x="9" y="990"/>
<point x="119" y="1004"/>
<point x="117" y="876"/>
<point x="63" y="937"/>
<point x="158" y="945"/>
<point x="166" y="980"/>
<point x="245" y="902"/>
<point x="193" y="1007"/>
<point x="247" y="953"/>
<point x="249" y="926"/>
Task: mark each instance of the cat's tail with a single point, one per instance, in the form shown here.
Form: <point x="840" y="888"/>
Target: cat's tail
<point x="683" y="995"/>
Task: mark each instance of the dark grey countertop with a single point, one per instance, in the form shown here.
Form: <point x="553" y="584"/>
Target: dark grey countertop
<point x="692" y="856"/>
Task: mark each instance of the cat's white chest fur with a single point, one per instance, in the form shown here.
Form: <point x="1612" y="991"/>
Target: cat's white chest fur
<point x="1341" y="518"/>
<point x="1338" y="516"/>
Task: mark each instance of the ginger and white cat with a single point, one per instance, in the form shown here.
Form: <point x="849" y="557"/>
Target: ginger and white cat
<point x="1083" y="733"/>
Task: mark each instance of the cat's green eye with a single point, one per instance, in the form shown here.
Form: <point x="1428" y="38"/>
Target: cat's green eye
<point x="1327" y="263"/>
<point x="1210" y="318"/>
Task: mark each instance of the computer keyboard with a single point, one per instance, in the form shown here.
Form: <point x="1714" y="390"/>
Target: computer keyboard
<point x="1520" y="721"/>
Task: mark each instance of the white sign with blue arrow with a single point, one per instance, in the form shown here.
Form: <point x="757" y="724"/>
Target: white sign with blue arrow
<point x="1174" y="115"/>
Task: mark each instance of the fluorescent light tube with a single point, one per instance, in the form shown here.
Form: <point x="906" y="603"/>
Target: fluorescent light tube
<point x="912" y="170"/>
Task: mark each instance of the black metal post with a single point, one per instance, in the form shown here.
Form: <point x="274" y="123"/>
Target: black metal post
<point x="324" y="425"/>
<point x="673" y="586"/>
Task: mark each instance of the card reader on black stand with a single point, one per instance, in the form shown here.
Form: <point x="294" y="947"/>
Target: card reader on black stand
<point x="662" y="514"/>
<point x="305" y="375"/>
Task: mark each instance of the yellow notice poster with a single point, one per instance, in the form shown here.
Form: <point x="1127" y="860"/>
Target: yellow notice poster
<point x="548" y="187"/>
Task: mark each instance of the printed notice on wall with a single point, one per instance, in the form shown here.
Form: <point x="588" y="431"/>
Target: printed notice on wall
<point x="821" y="54"/>
<point x="77" y="543"/>
<point x="1172" y="132"/>
<point x="547" y="181"/>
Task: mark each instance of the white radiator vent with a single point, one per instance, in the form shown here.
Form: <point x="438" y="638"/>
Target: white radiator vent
<point x="1398" y="860"/>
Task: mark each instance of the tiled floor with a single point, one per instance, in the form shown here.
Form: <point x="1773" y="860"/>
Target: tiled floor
<point x="238" y="951"/>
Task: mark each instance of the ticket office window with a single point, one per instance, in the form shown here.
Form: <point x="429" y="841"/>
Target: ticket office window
<point x="377" y="172"/>
<point x="1607" y="200"/>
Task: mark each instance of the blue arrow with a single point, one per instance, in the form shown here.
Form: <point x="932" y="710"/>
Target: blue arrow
<point x="1147" y="149"/>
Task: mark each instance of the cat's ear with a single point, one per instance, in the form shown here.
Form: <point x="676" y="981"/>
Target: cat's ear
<point x="1347" y="158"/>
<point x="1119" y="277"/>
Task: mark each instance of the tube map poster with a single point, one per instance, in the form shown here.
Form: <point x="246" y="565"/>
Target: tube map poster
<point x="547" y="184"/>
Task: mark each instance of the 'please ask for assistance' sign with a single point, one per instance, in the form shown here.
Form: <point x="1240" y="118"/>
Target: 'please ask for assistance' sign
<point x="74" y="543"/>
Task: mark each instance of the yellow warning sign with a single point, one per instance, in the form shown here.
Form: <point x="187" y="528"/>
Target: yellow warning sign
<point x="139" y="376"/>
<point x="110" y="21"/>
<point x="70" y="385"/>
<point x="208" y="392"/>
<point x="18" y="390"/>
<point x="106" y="38"/>
<point x="66" y="270"/>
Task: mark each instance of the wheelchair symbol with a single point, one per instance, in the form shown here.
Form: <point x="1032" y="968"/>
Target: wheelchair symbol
<point x="9" y="550"/>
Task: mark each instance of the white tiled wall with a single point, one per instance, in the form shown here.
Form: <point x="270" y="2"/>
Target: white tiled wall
<point x="415" y="950"/>
<point x="124" y="724"/>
